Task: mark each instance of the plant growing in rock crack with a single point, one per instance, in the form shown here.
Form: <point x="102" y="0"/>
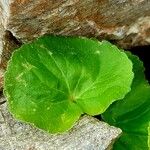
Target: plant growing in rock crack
<point x="54" y="80"/>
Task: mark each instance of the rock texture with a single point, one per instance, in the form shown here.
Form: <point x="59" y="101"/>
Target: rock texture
<point x="126" y="21"/>
<point x="87" y="134"/>
<point x="1" y="78"/>
<point x="1" y="40"/>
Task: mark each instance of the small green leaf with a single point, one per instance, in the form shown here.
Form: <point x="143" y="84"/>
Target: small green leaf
<point x="54" y="80"/>
<point x="132" y="114"/>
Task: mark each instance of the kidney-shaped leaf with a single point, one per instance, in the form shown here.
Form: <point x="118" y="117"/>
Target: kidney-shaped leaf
<point x="132" y="114"/>
<point x="55" y="79"/>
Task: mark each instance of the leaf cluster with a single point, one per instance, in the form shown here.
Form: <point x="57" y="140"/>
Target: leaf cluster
<point x="54" y="80"/>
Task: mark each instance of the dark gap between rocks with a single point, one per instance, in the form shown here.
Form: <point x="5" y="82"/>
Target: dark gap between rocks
<point x="143" y="52"/>
<point x="11" y="43"/>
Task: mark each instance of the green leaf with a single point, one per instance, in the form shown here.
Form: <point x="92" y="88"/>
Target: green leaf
<point x="132" y="114"/>
<point x="54" y="80"/>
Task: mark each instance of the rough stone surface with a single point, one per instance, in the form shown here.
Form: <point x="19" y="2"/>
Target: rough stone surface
<point x="1" y="39"/>
<point x="1" y="78"/>
<point x="7" y="41"/>
<point x="125" y="21"/>
<point x="88" y="134"/>
<point x="9" y="44"/>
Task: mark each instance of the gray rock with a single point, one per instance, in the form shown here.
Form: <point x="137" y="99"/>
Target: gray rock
<point x="88" y="134"/>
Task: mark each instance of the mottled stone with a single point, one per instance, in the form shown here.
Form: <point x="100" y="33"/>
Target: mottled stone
<point x="1" y="40"/>
<point x="7" y="41"/>
<point x="1" y="78"/>
<point x="138" y="33"/>
<point x="9" y="44"/>
<point x="88" y="134"/>
<point x="1" y="49"/>
<point x="110" y="19"/>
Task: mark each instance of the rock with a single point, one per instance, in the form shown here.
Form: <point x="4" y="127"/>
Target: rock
<point x="1" y="78"/>
<point x="8" y="44"/>
<point x="88" y="134"/>
<point x="1" y="40"/>
<point x="123" y="21"/>
<point x="7" y="41"/>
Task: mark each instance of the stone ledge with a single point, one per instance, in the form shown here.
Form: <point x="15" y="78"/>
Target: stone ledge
<point x="126" y="22"/>
<point x="88" y="134"/>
